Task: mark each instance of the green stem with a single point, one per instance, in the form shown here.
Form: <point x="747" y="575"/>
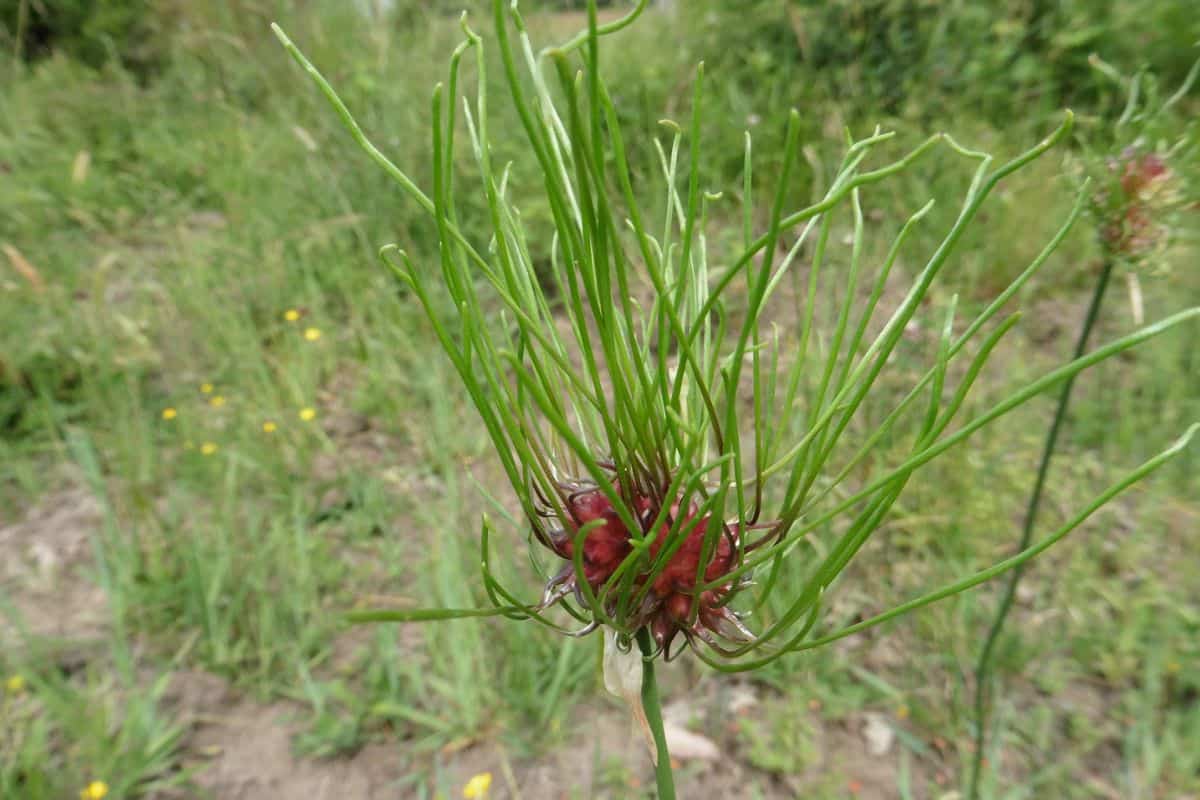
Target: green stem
<point x="22" y="22"/>
<point x="666" y="780"/>
<point x="984" y="667"/>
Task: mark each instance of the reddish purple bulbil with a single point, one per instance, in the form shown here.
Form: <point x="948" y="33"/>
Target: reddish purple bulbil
<point x="671" y="603"/>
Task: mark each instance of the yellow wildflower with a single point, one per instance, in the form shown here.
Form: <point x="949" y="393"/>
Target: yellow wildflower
<point x="15" y="684"/>
<point x="206" y="388"/>
<point x="312" y="334"/>
<point x="291" y="315"/>
<point x="269" y="427"/>
<point x="478" y="786"/>
<point x="308" y="414"/>
<point x="216" y="401"/>
<point x="169" y="413"/>
<point x="207" y="449"/>
<point x="96" y="790"/>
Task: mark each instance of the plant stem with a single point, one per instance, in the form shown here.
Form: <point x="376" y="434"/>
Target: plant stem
<point x="984" y="666"/>
<point x="650" y="704"/>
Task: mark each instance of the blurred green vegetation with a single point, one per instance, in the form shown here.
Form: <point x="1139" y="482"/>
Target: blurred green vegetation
<point x="134" y="33"/>
<point x="170" y="186"/>
<point x="909" y="57"/>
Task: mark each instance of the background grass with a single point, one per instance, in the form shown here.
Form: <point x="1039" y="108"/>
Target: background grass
<point x="161" y="214"/>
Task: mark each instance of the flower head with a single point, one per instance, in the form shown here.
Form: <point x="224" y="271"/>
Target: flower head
<point x="96" y="790"/>
<point x="1135" y="208"/>
<point x="206" y="388"/>
<point x="308" y="414"/>
<point x="269" y="427"/>
<point x="478" y="786"/>
<point x="208" y="448"/>
<point x="1145" y="188"/>
<point x="15" y="684"/>
<point x="169" y="413"/>
<point x="665" y="589"/>
<point x="291" y="315"/>
<point x="216" y="401"/>
<point x="312" y="334"/>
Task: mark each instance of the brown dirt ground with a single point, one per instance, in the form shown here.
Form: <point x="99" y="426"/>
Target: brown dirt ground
<point x="43" y="574"/>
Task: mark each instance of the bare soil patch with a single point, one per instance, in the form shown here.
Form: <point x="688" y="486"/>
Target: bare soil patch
<point x="43" y="576"/>
<point x="243" y="749"/>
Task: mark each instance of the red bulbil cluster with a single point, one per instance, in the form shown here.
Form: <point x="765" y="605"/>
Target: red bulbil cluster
<point x="669" y="605"/>
<point x="605" y="546"/>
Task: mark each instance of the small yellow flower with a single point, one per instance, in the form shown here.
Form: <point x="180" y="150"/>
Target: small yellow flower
<point x="269" y="427"/>
<point x="169" y="413"/>
<point x="216" y="401"/>
<point x="1174" y="667"/>
<point x="308" y="414"/>
<point x="902" y="712"/>
<point x="207" y="449"/>
<point x="15" y="684"/>
<point x="206" y="388"/>
<point x="478" y="786"/>
<point x="312" y="334"/>
<point x="96" y="790"/>
<point x="291" y="315"/>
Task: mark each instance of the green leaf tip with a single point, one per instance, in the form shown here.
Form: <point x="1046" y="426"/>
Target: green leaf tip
<point x="1184" y="440"/>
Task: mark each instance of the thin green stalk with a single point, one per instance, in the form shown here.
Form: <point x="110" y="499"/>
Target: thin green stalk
<point x="19" y="41"/>
<point x="984" y="667"/>
<point x="666" y="780"/>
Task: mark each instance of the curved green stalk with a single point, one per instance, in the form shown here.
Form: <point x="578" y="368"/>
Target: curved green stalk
<point x="604" y="30"/>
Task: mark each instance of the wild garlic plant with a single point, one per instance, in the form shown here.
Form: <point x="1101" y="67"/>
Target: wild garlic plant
<point x="669" y="445"/>
<point x="1137" y="212"/>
